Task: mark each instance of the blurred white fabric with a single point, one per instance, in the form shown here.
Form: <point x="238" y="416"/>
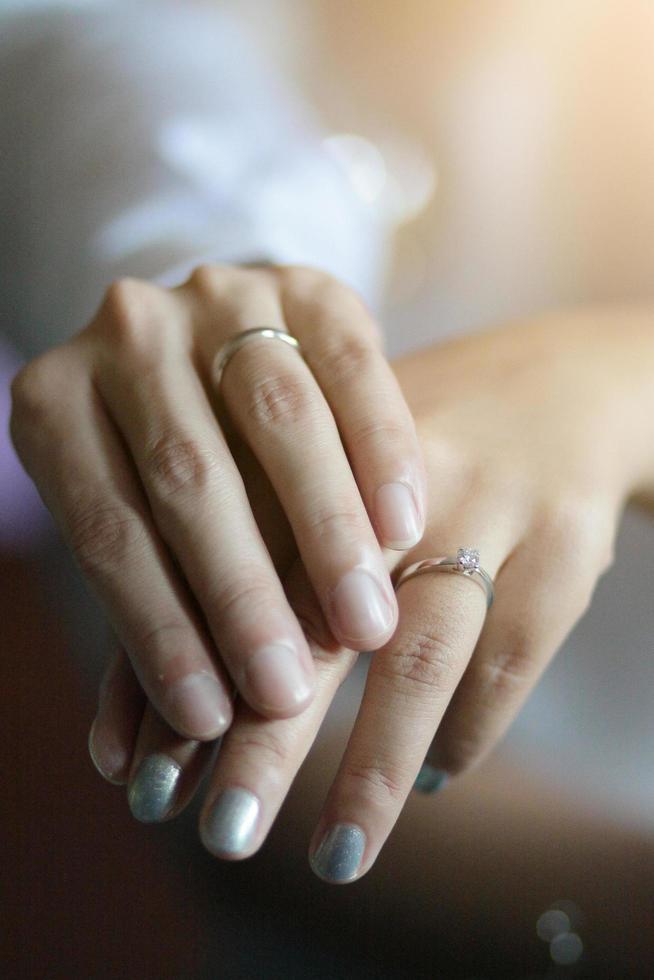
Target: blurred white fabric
<point x="143" y="139"/>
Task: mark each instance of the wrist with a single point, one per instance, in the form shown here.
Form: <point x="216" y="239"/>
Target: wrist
<point x="625" y="343"/>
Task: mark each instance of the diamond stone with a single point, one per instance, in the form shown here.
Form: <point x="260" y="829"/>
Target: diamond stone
<point x="468" y="559"/>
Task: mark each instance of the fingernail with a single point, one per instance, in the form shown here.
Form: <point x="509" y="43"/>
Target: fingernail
<point x="109" y="771"/>
<point x="152" y="791"/>
<point x="361" y="609"/>
<point x="199" y="705"/>
<point x="430" y="780"/>
<point x="398" y="519"/>
<point x="338" y="856"/>
<point x="277" y="678"/>
<point x="231" y="823"/>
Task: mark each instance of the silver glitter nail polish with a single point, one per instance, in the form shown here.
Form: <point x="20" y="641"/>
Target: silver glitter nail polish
<point x="151" y="793"/>
<point x="338" y="856"/>
<point x="232" y="822"/>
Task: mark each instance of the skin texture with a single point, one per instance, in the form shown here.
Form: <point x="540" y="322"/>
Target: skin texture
<point x="535" y="436"/>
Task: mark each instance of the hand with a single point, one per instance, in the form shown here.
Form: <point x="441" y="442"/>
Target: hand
<point x="138" y="459"/>
<point x="535" y="436"/>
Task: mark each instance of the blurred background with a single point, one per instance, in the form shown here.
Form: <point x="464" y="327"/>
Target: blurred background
<point x="519" y="133"/>
<point x="508" y="146"/>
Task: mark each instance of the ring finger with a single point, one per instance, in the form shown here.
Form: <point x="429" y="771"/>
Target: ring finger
<point x="409" y="686"/>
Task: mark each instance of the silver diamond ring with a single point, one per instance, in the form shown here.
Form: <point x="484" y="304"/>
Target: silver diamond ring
<point x="465" y="563"/>
<point x="229" y="348"/>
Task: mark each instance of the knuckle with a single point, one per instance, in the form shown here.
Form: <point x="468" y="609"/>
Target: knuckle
<point x="102" y="536"/>
<point x="280" y="400"/>
<point x="35" y="393"/>
<point x="243" y="598"/>
<point x="174" y="464"/>
<point x="425" y="662"/>
<point x="506" y="675"/>
<point x="170" y="635"/>
<point x="329" y="523"/>
<point x="125" y="298"/>
<point x="128" y="316"/>
<point x="266" y="747"/>
<point x="385" y="432"/>
<point x="209" y="279"/>
<point x="27" y="384"/>
<point x="31" y="387"/>
<point x="348" y="357"/>
<point x="522" y="643"/>
<point x="29" y="405"/>
<point x="378" y="782"/>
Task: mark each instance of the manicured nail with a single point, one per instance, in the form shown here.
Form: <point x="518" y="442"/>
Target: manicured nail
<point x="152" y="791"/>
<point x="361" y="608"/>
<point x="398" y="520"/>
<point x="231" y="823"/>
<point x="199" y="706"/>
<point x="430" y="780"/>
<point x="338" y="856"/>
<point x="108" y="770"/>
<point x="277" y="678"/>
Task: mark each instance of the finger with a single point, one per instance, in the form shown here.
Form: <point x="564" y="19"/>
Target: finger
<point x="166" y="770"/>
<point x="260" y="757"/>
<point x="341" y="344"/>
<point x="200" y="505"/>
<point x="115" y="729"/>
<point x="280" y="411"/>
<point x="409" y="685"/>
<point x="74" y="454"/>
<point x="541" y="594"/>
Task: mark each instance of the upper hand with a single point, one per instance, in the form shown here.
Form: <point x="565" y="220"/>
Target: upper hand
<point x="139" y="460"/>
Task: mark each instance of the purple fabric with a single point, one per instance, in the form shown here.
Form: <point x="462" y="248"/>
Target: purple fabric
<point x="23" y="516"/>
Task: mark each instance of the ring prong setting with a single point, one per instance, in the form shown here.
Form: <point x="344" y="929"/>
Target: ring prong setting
<point x="467" y="559"/>
<point x="465" y="562"/>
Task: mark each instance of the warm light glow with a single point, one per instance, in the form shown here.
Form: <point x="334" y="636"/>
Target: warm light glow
<point x="361" y="161"/>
